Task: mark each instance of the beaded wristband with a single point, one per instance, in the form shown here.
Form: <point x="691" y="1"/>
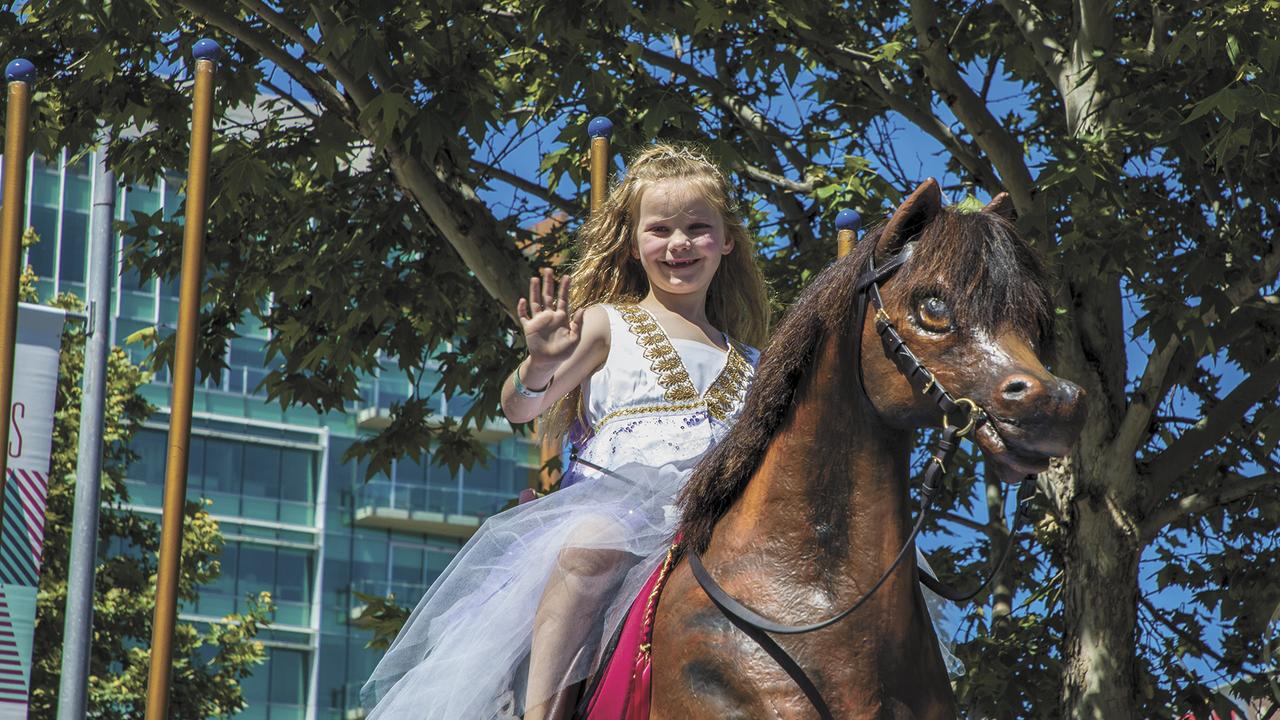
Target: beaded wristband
<point x="523" y="391"/>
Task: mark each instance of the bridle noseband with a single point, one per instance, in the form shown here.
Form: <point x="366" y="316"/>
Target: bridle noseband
<point x="758" y="627"/>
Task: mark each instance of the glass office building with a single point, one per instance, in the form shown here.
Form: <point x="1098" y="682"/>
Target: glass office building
<point x="298" y="522"/>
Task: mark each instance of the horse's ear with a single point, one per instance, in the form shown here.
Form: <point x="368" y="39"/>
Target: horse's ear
<point x="911" y="217"/>
<point x="1002" y="205"/>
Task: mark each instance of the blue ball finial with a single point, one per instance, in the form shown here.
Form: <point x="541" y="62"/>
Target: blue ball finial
<point x="207" y="49"/>
<point x="20" y="70"/>
<point x="848" y="220"/>
<point x="600" y="126"/>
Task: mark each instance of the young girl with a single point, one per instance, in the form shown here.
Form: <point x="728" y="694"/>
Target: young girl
<point x="639" y="358"/>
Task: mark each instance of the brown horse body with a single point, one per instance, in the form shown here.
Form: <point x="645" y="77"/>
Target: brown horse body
<point x="805" y="504"/>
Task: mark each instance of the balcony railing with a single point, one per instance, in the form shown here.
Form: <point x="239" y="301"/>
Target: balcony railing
<point x="425" y="508"/>
<point x="405" y="593"/>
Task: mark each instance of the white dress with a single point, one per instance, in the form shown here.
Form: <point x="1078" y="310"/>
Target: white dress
<point x="655" y="407"/>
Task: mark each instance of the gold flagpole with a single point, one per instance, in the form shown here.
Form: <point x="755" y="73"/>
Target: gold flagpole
<point x="600" y="128"/>
<point x="847" y="222"/>
<point x="20" y="74"/>
<point x="175" y="476"/>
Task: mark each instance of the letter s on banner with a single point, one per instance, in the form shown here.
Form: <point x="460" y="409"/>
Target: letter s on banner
<point x="15" y="429"/>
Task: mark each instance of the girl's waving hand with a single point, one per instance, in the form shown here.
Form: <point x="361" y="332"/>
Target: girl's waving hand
<point x="551" y="329"/>
<point x="565" y="347"/>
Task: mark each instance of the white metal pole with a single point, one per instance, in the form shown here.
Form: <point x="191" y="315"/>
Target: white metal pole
<point x="77" y="630"/>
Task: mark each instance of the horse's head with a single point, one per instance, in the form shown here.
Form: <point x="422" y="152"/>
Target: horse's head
<point x="971" y="302"/>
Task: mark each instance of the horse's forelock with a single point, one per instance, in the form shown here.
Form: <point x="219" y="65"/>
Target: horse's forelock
<point x="992" y="278"/>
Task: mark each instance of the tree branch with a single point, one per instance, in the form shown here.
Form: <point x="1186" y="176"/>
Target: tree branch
<point x="464" y="222"/>
<point x="1195" y="441"/>
<point x="357" y="86"/>
<point x="970" y="523"/>
<point x="1174" y="510"/>
<point x="748" y="117"/>
<point x="1083" y="94"/>
<point x="528" y="186"/>
<point x="468" y="226"/>
<point x="297" y="104"/>
<point x="1146" y="398"/>
<point x="785" y="183"/>
<point x="897" y="99"/>
<point x="322" y="90"/>
<point x="1197" y="640"/>
<point x="1050" y="54"/>
<point x="1004" y="150"/>
<point x="283" y="26"/>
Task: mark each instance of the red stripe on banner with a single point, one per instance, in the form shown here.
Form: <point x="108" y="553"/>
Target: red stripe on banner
<point x="32" y="521"/>
<point x="39" y="490"/>
<point x="40" y="480"/>
<point x="33" y="508"/>
<point x="36" y="498"/>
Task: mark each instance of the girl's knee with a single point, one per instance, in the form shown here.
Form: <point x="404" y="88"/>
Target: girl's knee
<point x="592" y="548"/>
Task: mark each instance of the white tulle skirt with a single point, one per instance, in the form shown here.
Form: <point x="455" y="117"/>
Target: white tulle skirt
<point x="465" y="650"/>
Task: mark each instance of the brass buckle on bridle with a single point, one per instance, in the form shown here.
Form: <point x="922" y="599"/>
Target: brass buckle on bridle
<point x="973" y="413"/>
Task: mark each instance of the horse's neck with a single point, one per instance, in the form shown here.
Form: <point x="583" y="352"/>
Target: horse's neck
<point x="826" y="507"/>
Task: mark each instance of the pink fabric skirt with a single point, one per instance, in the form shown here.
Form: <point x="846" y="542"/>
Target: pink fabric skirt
<point x="625" y="686"/>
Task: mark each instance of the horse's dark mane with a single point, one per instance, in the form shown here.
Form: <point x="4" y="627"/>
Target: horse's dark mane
<point x="976" y="261"/>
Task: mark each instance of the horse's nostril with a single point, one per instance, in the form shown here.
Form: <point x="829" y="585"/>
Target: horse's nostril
<point x="1015" y="387"/>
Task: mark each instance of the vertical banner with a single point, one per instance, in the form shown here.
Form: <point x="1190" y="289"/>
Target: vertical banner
<point x="35" y="388"/>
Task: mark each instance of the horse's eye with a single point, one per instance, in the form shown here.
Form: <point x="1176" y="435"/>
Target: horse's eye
<point x="934" y="315"/>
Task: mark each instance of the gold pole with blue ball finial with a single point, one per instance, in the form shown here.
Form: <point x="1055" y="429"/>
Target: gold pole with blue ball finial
<point x="847" y="222"/>
<point x="600" y="129"/>
<point x="20" y="75"/>
<point x="168" y="569"/>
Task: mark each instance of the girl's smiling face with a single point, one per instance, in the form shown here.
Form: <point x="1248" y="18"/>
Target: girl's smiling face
<point x="680" y="238"/>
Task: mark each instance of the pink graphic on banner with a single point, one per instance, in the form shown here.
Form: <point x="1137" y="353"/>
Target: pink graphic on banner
<point x="13" y="685"/>
<point x="23" y="535"/>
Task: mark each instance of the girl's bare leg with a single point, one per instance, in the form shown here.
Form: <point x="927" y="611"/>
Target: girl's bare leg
<point x="581" y="585"/>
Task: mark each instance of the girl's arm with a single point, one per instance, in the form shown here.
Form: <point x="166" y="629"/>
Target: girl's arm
<point x="564" y="349"/>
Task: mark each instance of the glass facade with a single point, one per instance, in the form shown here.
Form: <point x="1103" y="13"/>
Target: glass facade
<point x="298" y="522"/>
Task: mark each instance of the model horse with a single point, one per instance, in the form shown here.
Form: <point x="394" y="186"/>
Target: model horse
<point x="803" y="508"/>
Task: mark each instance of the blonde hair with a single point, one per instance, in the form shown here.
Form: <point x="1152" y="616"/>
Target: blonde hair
<point x="607" y="272"/>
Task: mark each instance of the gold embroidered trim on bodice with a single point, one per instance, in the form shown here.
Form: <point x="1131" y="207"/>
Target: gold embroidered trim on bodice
<point x="664" y="360"/>
<point x="730" y="387"/>
<point x="720" y="400"/>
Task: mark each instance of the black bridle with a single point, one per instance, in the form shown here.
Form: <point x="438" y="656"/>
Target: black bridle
<point x="758" y="627"/>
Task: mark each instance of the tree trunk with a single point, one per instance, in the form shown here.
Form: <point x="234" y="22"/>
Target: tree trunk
<point x="1095" y="493"/>
<point x="1100" y="600"/>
